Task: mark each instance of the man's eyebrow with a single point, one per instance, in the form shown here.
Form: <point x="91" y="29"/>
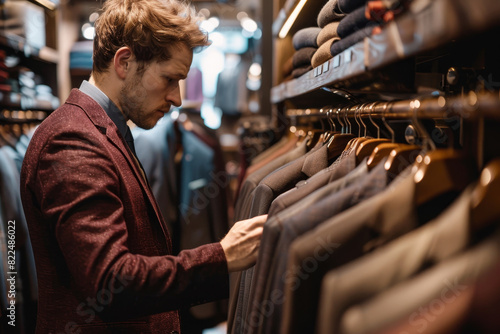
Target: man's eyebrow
<point x="175" y="75"/>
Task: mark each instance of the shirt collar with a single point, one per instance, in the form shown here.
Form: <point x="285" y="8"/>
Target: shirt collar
<point x="109" y="107"/>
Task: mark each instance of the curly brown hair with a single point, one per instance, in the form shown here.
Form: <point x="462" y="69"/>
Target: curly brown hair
<point x="150" y="28"/>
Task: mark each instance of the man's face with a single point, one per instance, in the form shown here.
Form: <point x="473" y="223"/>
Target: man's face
<point x="146" y="97"/>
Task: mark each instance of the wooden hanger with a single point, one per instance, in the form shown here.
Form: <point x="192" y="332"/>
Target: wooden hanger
<point x="329" y="131"/>
<point x="316" y="137"/>
<point x="379" y="153"/>
<point x="354" y="144"/>
<point x="338" y="142"/>
<point x="439" y="171"/>
<point x="365" y="149"/>
<point x="400" y="158"/>
<point x="383" y="150"/>
<point x="485" y="208"/>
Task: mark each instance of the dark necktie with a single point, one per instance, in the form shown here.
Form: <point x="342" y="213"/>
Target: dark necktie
<point x="130" y="140"/>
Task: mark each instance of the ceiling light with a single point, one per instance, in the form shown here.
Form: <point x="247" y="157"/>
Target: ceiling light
<point x="291" y="19"/>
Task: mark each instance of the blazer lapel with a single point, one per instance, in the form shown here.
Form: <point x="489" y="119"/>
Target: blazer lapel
<point x="106" y="126"/>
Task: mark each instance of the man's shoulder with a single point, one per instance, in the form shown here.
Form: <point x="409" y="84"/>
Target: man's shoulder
<point x="64" y="118"/>
<point x="69" y="120"/>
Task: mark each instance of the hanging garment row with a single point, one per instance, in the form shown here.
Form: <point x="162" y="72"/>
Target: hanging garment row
<point x="184" y="165"/>
<point x="354" y="247"/>
<point x="18" y="282"/>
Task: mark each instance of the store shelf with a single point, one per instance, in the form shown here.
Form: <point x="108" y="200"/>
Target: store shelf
<point x="19" y="44"/>
<point x="427" y="25"/>
<point x="341" y="67"/>
<point x="14" y="102"/>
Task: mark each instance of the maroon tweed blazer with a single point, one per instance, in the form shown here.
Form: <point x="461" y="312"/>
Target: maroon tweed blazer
<point x="101" y="247"/>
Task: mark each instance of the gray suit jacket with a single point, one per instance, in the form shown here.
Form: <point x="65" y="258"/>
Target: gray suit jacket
<point x="242" y="211"/>
<point x="309" y="218"/>
<point x="261" y="282"/>
<point x="10" y="200"/>
<point x="340" y="168"/>
<point x="438" y="285"/>
<point x="187" y="193"/>
<point x="403" y="258"/>
<point x="279" y="181"/>
<point x="340" y="240"/>
<point x="244" y="202"/>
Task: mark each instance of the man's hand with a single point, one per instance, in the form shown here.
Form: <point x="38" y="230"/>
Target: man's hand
<point x="241" y="244"/>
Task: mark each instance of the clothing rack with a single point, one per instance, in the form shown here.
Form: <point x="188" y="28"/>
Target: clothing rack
<point x="470" y="106"/>
<point x="467" y="114"/>
<point x="21" y="117"/>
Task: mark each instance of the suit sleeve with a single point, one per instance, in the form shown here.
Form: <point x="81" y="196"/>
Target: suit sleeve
<point x="79" y="195"/>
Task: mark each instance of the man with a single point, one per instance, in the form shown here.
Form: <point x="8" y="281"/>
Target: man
<point x="101" y="247"/>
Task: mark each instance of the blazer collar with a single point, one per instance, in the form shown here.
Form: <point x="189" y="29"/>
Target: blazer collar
<point x="106" y="126"/>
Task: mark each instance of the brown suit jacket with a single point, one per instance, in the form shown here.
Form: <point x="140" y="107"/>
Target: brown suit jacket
<point x="436" y="287"/>
<point x="101" y="247"/>
<point x="400" y="260"/>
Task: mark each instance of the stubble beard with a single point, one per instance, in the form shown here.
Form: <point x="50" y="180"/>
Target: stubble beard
<point x="132" y="101"/>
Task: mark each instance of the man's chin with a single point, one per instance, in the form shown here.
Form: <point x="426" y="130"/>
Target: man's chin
<point x="150" y="123"/>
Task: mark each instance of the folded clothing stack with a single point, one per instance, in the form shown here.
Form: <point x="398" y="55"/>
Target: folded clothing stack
<point x="34" y="94"/>
<point x="341" y="24"/>
<point x="305" y="43"/>
<point x="80" y="56"/>
<point x="364" y="18"/>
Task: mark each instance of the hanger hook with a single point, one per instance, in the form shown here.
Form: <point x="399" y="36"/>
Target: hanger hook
<point x="371" y="120"/>
<point x="346" y="119"/>
<point x="427" y="142"/>
<point x="342" y="129"/>
<point x="321" y="119"/>
<point x="384" y="113"/>
<point x="333" y="126"/>
<point x="361" y="107"/>
<point x="356" y="119"/>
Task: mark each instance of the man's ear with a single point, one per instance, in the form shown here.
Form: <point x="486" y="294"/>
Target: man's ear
<point x="123" y="61"/>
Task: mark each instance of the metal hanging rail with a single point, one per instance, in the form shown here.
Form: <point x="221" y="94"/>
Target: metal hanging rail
<point x="470" y="106"/>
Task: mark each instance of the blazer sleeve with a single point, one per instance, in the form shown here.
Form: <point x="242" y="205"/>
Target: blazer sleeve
<point x="78" y="189"/>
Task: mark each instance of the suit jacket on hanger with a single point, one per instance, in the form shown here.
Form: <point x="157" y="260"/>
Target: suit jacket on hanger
<point x="271" y="186"/>
<point x="309" y="218"/>
<point x="438" y="285"/>
<point x="244" y="202"/>
<point x="26" y="286"/>
<point x="263" y="271"/>
<point x="344" y="164"/>
<point x="362" y="279"/>
<point x="98" y="234"/>
<point x="340" y="240"/>
<point x="282" y="147"/>
<point x="188" y="192"/>
<point x="3" y="252"/>
<point x="242" y="211"/>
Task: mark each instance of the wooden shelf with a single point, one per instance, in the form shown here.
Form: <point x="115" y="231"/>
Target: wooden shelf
<point x="19" y="44"/>
<point x="12" y="101"/>
<point x="427" y="25"/>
